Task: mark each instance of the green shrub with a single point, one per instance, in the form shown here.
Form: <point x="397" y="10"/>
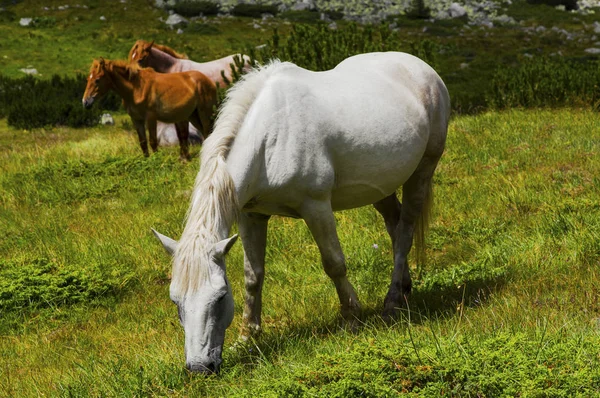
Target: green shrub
<point x="33" y="103"/>
<point x="569" y="4"/>
<point x="202" y="29"/>
<point x="547" y="82"/>
<point x="43" y="22"/>
<point x="190" y="8"/>
<point x="253" y="10"/>
<point x="320" y="48"/>
<point x="418" y="10"/>
<point x="41" y="283"/>
<point x="301" y="16"/>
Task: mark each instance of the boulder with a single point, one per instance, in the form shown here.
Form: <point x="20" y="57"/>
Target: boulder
<point x="107" y="120"/>
<point x="456" y="11"/>
<point x="25" y="21"/>
<point x="304" y="5"/>
<point x="176" y="19"/>
<point x="29" y="71"/>
<point x="592" y="50"/>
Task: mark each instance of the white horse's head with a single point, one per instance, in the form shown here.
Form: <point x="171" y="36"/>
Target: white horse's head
<point x="206" y="312"/>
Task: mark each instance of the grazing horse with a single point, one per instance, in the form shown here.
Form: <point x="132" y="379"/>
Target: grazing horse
<point x="149" y="96"/>
<point x="304" y="144"/>
<point x="164" y="59"/>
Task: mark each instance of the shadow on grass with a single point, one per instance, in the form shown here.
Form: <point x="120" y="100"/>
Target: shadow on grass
<point x="435" y="296"/>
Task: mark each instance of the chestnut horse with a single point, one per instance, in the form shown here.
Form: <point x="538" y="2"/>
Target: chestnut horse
<point x="164" y="59"/>
<point x="149" y="96"/>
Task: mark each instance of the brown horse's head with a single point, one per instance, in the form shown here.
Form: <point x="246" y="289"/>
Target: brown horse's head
<point x="98" y="82"/>
<point x="140" y="51"/>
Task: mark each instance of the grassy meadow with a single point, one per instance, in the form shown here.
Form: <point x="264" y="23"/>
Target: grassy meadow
<point x="506" y="305"/>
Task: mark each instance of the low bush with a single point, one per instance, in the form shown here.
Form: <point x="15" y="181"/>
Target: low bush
<point x="569" y="4"/>
<point x="254" y="10"/>
<point x="42" y="283"/>
<point x="33" y="103"/>
<point x="316" y="47"/>
<point x="195" y="8"/>
<point x="547" y="82"/>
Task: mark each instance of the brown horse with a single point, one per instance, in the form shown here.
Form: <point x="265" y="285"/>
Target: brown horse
<point x="149" y="96"/>
<point x="164" y="59"/>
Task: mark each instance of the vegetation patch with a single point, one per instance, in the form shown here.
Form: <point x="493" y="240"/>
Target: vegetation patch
<point x="190" y="8"/>
<point x="547" y="82"/>
<point x="37" y="283"/>
<point x="33" y="103"/>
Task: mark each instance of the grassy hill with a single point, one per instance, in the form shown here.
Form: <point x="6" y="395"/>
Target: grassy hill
<point x="507" y="304"/>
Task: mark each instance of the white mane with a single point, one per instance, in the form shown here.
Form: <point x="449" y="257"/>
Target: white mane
<point x="214" y="206"/>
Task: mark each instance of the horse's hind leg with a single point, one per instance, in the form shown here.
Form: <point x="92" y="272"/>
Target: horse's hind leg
<point x="416" y="199"/>
<point x="201" y="122"/>
<point x="140" y="127"/>
<point x="319" y="218"/>
<point x="390" y="208"/>
<point x="253" y="231"/>
<point x="183" y="132"/>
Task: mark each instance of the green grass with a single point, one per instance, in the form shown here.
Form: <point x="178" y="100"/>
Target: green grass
<point x="508" y="302"/>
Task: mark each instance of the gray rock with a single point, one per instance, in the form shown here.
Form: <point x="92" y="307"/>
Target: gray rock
<point x="179" y="31"/>
<point x="61" y="8"/>
<point x="256" y="26"/>
<point x="25" y="21"/>
<point x="176" y="19"/>
<point x="107" y="120"/>
<point x="505" y="19"/>
<point x="456" y="11"/>
<point x="103" y="18"/>
<point x="596" y="27"/>
<point x="303" y="5"/>
<point x="592" y="50"/>
<point x="332" y="26"/>
<point x="540" y="28"/>
<point x="29" y="71"/>
<point x="159" y="3"/>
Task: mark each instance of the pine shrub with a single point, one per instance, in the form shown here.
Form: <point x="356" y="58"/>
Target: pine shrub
<point x="547" y="82"/>
<point x="33" y="103"/>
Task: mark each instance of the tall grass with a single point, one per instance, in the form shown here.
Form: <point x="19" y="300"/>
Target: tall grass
<point x="507" y="304"/>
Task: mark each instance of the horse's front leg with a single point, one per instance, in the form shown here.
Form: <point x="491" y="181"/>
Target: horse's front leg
<point x="183" y="134"/>
<point x="253" y="231"/>
<point x="151" y="125"/>
<point x="140" y="128"/>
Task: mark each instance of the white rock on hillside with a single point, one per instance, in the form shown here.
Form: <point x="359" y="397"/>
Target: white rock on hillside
<point x="176" y="19"/>
<point x="25" y="21"/>
<point x="29" y="71"/>
<point x="107" y="120"/>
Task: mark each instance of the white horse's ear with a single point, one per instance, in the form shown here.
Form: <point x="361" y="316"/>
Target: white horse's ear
<point x="223" y="247"/>
<point x="169" y="244"/>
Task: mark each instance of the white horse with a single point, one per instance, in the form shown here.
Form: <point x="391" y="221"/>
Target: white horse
<point x="304" y="144"/>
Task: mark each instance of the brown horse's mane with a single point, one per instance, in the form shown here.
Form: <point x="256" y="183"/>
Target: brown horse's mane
<point x="170" y="51"/>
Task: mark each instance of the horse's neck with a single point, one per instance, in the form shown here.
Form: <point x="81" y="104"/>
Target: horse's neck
<point x="122" y="85"/>
<point x="163" y="62"/>
<point x="214" y="206"/>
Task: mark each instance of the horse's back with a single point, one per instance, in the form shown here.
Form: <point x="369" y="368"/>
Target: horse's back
<point x="354" y="134"/>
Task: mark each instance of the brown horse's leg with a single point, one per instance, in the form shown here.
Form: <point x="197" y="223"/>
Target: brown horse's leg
<point x="183" y="132"/>
<point x="197" y="122"/>
<point x="151" y="124"/>
<point x="140" y="127"/>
